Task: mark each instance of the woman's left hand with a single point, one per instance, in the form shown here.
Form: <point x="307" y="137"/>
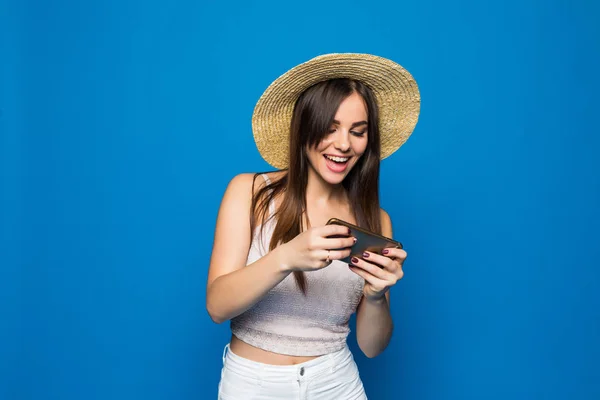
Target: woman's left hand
<point x="380" y="272"/>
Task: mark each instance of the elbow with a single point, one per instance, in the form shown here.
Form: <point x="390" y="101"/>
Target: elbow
<point x="213" y="311"/>
<point x="214" y="315"/>
<point x="217" y="320"/>
<point x="369" y="353"/>
<point x="372" y="346"/>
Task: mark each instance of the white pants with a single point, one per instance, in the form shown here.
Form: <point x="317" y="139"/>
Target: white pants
<point x="329" y="377"/>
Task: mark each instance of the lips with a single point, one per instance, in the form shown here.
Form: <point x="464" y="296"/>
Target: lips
<point x="336" y="164"/>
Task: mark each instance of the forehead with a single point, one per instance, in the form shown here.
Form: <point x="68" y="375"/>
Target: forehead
<point x="352" y="109"/>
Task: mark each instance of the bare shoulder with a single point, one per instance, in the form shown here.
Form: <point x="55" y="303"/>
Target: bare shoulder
<point x="241" y="182"/>
<point x="238" y="195"/>
<point x="386" y="223"/>
<point x="232" y="231"/>
<point x="251" y="182"/>
<point x="232" y="238"/>
<point x="235" y="205"/>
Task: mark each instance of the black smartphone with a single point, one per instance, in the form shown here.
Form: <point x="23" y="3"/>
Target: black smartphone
<point x="365" y="240"/>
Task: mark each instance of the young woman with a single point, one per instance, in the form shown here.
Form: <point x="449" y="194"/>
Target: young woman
<point x="275" y="271"/>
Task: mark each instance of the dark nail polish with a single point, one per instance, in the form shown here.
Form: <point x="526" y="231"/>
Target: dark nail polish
<point x="366" y="255"/>
<point x="354" y="260"/>
<point x="355" y="239"/>
<point x="385" y="251"/>
<point x="349" y="231"/>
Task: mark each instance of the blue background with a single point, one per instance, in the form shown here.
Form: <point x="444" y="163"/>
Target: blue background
<point x="121" y="123"/>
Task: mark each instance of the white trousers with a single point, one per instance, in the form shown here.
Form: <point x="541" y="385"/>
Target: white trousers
<point x="329" y="377"/>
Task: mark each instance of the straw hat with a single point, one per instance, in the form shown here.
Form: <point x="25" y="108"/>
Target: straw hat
<point x="395" y="89"/>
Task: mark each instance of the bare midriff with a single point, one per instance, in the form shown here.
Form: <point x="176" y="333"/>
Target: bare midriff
<point x="243" y="349"/>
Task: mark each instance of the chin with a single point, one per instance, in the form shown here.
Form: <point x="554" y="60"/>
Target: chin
<point x="334" y="178"/>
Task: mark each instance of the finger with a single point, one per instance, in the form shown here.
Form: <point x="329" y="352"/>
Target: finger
<point x="333" y="230"/>
<point x="338" y="243"/>
<point x="322" y="259"/>
<point x="397" y="253"/>
<point x="381" y="261"/>
<point x="373" y="269"/>
<point x="338" y="254"/>
<point x="330" y="255"/>
<point x="374" y="281"/>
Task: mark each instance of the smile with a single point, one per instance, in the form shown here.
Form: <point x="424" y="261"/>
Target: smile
<point x="336" y="164"/>
<point x="337" y="159"/>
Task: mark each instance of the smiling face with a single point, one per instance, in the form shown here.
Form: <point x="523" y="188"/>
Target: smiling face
<point x="345" y="142"/>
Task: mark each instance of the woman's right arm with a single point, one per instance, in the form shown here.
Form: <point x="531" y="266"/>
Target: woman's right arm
<point x="233" y="287"/>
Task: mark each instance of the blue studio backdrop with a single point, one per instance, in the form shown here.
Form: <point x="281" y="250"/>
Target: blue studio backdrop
<point x="121" y="123"/>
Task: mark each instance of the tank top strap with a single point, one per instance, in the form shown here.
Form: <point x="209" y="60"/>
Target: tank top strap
<point x="272" y="203"/>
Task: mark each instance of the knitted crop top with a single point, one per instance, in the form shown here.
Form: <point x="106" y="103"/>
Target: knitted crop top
<point x="285" y="321"/>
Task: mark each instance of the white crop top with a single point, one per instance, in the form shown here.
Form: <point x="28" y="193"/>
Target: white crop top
<point x="286" y="321"/>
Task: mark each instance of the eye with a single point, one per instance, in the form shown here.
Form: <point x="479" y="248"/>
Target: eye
<point x="359" y="133"/>
<point x="331" y="130"/>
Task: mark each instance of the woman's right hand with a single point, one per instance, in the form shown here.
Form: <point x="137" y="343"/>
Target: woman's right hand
<point x="316" y="247"/>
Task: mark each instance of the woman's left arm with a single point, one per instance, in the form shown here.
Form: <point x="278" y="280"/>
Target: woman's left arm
<point x="374" y="323"/>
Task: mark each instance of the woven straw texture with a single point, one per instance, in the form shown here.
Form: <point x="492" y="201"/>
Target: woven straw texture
<point x="394" y="87"/>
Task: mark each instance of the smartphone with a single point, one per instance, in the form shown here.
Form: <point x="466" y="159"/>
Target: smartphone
<point x="365" y="240"/>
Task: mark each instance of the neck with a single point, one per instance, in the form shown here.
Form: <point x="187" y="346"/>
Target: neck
<point x="320" y="192"/>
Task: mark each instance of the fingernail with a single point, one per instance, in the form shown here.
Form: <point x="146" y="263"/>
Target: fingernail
<point x="385" y="251"/>
<point x="354" y="260"/>
<point x="355" y="239"/>
<point x="349" y="231"/>
<point x="366" y="255"/>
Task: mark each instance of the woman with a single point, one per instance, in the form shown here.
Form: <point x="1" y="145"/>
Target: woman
<point x="275" y="271"/>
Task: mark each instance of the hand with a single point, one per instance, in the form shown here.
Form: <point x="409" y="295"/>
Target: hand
<point x="380" y="272"/>
<point x="313" y="249"/>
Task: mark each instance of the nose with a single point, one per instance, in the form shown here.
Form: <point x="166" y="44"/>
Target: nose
<point x="342" y="142"/>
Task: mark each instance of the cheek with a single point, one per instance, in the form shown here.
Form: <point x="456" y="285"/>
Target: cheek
<point x="315" y="152"/>
<point x="323" y="144"/>
<point x="361" y="147"/>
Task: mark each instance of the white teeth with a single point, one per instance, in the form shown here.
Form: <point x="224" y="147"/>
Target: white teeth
<point x="337" y="159"/>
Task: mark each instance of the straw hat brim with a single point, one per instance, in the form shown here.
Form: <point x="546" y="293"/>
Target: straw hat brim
<point x="395" y="90"/>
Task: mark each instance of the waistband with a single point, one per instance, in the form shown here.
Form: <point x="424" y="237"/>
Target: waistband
<point x="327" y="363"/>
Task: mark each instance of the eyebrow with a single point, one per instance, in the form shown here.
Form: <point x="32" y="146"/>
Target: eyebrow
<point x="354" y="125"/>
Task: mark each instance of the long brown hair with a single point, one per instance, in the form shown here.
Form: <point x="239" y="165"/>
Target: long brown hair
<point x="313" y="115"/>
